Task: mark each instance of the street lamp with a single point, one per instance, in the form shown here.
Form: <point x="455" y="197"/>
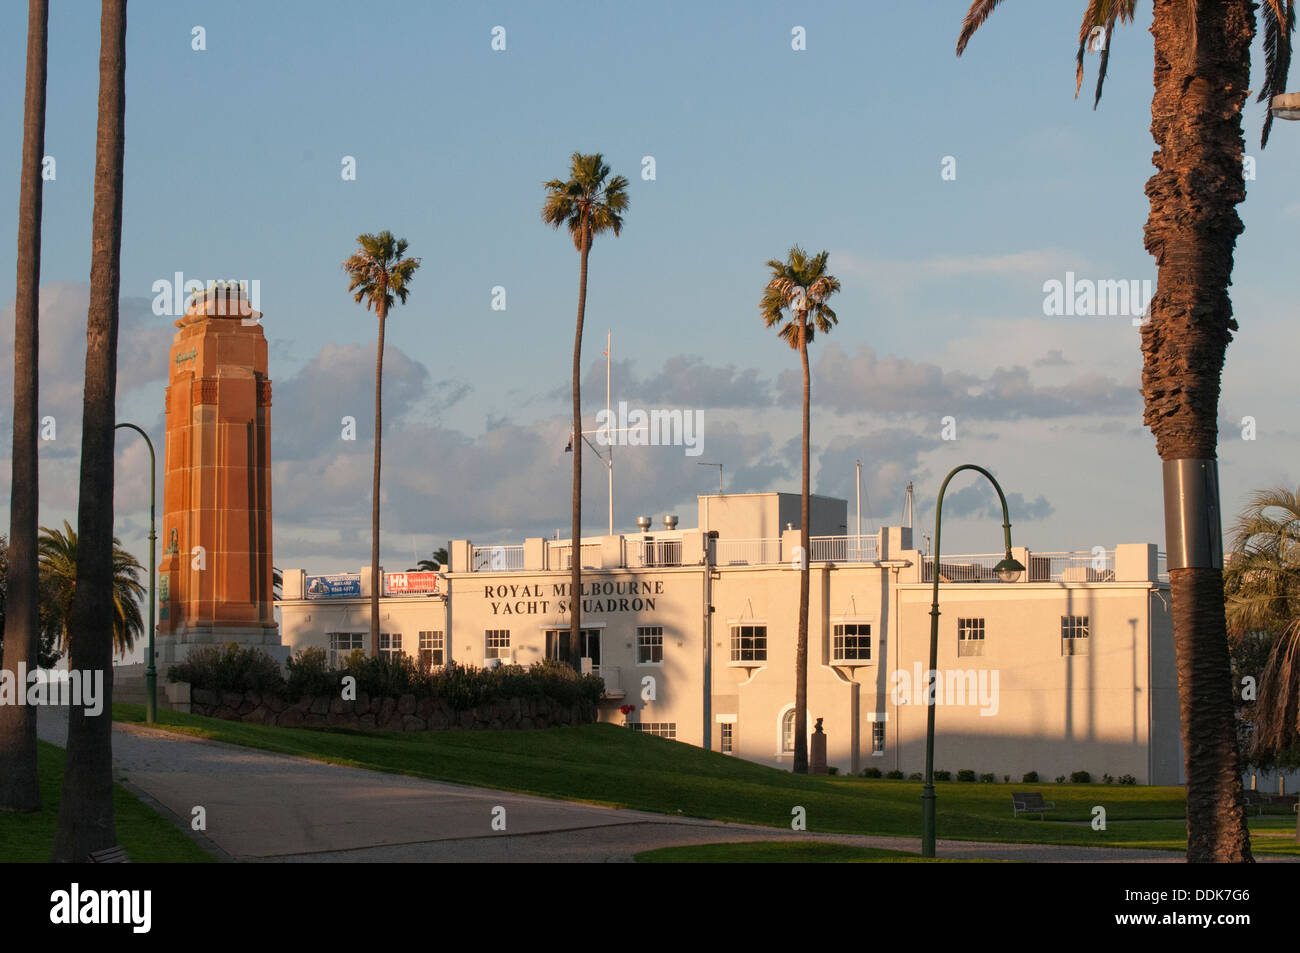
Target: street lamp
<point x="1286" y="106"/>
<point x="150" y="673"/>
<point x="1008" y="570"/>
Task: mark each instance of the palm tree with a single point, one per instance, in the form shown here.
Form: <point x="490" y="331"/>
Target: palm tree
<point x="59" y="585"/>
<point x="588" y="206"/>
<point x="1202" y="78"/>
<point x="378" y="272"/>
<point x="19" y="785"/>
<point x="432" y="565"/>
<point x="86" y="810"/>
<point x="795" y="302"/>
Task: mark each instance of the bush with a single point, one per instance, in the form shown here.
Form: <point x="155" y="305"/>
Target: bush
<point x="831" y="769"/>
<point x="987" y="778"/>
<point x="1107" y="779"/>
<point x="387" y="675"/>
<point x="965" y="774"/>
<point x="875" y="773"/>
<point x="1031" y="777"/>
<point x="1080" y="777"/>
<point x="1060" y="779"/>
<point x="1127" y="779"/>
<point x="916" y="776"/>
<point x="229" y="668"/>
<point x="894" y="775"/>
<point x="944" y="776"/>
<point x="310" y="674"/>
<point x="1006" y="779"/>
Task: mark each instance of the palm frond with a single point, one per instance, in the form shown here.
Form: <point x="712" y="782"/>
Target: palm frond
<point x="979" y="12"/>
<point x="1279" y="24"/>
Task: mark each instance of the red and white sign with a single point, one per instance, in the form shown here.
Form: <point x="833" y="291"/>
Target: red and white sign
<point x="403" y="583"/>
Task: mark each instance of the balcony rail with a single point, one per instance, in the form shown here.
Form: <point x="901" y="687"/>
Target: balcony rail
<point x="844" y="549"/>
<point x="1072" y="567"/>
<point x="977" y="568"/>
<point x="648" y="553"/>
<point x="1162" y="567"/>
<point x="496" y="558"/>
<point x="748" y="552"/>
<point x="560" y="556"/>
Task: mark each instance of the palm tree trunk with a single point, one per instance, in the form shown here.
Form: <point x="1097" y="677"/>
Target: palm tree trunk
<point x="86" y="810"/>
<point x="801" y="646"/>
<point x="19" y="786"/>
<point x="1202" y="75"/>
<point x="575" y="551"/>
<point x="382" y="311"/>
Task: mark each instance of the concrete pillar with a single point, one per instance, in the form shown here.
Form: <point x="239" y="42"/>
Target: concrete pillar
<point x="1135" y="562"/>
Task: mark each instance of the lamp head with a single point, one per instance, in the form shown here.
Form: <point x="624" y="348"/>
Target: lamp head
<point x="1009" y="569"/>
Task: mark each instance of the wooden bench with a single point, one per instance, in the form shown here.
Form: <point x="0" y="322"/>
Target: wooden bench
<point x="1031" y="803"/>
<point x="110" y="855"/>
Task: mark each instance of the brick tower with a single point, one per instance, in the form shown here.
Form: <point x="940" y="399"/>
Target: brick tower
<point x="215" y="574"/>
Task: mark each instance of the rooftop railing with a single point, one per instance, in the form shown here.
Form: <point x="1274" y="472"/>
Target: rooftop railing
<point x="844" y="549"/>
<point x="748" y="552"/>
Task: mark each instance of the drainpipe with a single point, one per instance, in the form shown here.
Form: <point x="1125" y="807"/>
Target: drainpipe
<point x="710" y="539"/>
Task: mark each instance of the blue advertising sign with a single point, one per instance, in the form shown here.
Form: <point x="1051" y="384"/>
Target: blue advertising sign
<point x="338" y="586"/>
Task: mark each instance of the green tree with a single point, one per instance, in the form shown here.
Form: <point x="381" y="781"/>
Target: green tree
<point x="794" y="302"/>
<point x="19" y="785"/>
<point x="59" y="584"/>
<point x="432" y="565"/>
<point x="86" y="809"/>
<point x="589" y="203"/>
<point x="1202" y="78"/>
<point x="377" y="273"/>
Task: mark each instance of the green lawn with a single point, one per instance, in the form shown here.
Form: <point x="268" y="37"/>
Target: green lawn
<point x="780" y="852"/>
<point x="605" y="764"/>
<point x="147" y="837"/>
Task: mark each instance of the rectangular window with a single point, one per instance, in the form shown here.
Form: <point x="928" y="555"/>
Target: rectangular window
<point x="496" y="644"/>
<point x="852" y="642"/>
<point x="431" y="646"/>
<point x="649" y="644"/>
<point x="661" y="729"/>
<point x="341" y="644"/>
<point x="1074" y="635"/>
<point x="727" y="737"/>
<point x="749" y="643"/>
<point x="390" y="643"/>
<point x="557" y="646"/>
<point x="970" y="637"/>
<point x="877" y="737"/>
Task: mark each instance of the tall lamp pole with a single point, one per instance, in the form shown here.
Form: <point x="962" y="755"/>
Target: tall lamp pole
<point x="1008" y="570"/>
<point x="150" y="673"/>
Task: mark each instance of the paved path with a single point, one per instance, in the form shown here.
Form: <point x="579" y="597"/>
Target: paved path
<point x="269" y="807"/>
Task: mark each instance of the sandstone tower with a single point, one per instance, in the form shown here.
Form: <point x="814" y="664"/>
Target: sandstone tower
<point x="215" y="574"/>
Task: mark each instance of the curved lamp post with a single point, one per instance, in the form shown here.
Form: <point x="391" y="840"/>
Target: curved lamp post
<point x="150" y="673"/>
<point x="1008" y="570"/>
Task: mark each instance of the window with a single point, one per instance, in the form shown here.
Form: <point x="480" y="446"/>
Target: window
<point x="749" y="643"/>
<point x="430" y="649"/>
<point x="852" y="642"/>
<point x="341" y="644"/>
<point x="970" y="637"/>
<point x="496" y="644"/>
<point x="727" y="737"/>
<point x="877" y="738"/>
<point x="1074" y="635"/>
<point x="787" y="732"/>
<point x="557" y="645"/>
<point x="660" y="729"/>
<point x="390" y="643"/>
<point x="649" y="644"/>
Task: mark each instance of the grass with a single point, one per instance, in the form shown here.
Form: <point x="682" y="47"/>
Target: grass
<point x="780" y="852"/>
<point x="606" y="764"/>
<point x="147" y="836"/>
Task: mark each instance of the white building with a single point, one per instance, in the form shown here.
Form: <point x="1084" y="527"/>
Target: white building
<point x="1071" y="668"/>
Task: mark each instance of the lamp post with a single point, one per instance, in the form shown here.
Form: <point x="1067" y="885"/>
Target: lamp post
<point x="1008" y="570"/>
<point x="150" y="673"/>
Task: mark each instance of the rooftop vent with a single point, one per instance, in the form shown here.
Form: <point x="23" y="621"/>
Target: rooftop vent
<point x="670" y="521"/>
<point x="643" y="523"/>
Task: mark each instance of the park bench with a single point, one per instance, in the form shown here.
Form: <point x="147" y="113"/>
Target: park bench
<point x="110" y="855"/>
<point x="1031" y="803"/>
<point x="1247" y="803"/>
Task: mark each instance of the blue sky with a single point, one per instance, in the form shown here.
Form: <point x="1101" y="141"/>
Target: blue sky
<point x="233" y="162"/>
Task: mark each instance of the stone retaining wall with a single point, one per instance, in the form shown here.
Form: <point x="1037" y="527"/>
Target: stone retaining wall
<point x="405" y="713"/>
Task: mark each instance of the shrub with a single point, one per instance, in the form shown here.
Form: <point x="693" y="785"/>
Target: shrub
<point x="1127" y="779"/>
<point x="1060" y="779"/>
<point x="987" y="778"/>
<point x="831" y="769"/>
<point x="1080" y="777"/>
<point x="386" y="674"/>
<point x="916" y="776"/>
<point x="1006" y="779"/>
<point x="875" y="773"/>
<point x="965" y="774"/>
<point x="229" y="668"/>
<point x="1031" y="777"/>
<point x="310" y="674"/>
<point x="894" y="775"/>
<point x="943" y="775"/>
<point x="1107" y="779"/>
